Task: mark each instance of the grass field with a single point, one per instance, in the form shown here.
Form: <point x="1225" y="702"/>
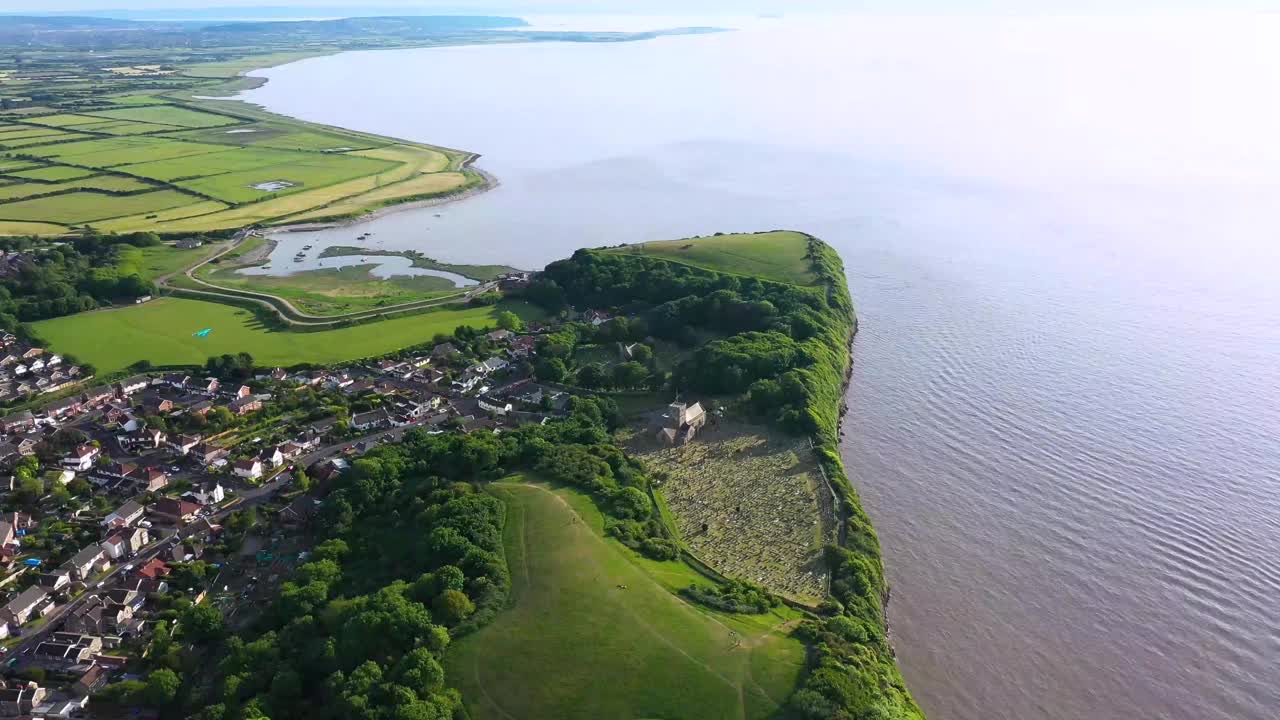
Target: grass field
<point x="576" y="644"/>
<point x="159" y="260"/>
<point x="772" y="255"/>
<point x="335" y="291"/>
<point x="161" y="331"/>
<point x="215" y="158"/>
<point x="82" y="206"/>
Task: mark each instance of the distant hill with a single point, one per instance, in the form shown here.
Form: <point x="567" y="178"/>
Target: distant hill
<point x="399" y="24"/>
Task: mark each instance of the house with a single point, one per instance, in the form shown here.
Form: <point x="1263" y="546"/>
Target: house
<point x="115" y="473"/>
<point x="155" y="568"/>
<point x="290" y="450"/>
<point x="273" y="457"/>
<point x="184" y="444"/>
<point x="81" y="458"/>
<point x="500" y="335"/>
<point x="124" y="597"/>
<point x="445" y="351"/>
<point x="523" y="346"/>
<point x="21" y="699"/>
<point x="495" y="406"/>
<point x="243" y="391"/>
<point x="144" y="439"/>
<point x="124" y="516"/>
<point x="65" y="649"/>
<point x="154" y="479"/>
<point x="32" y="601"/>
<point x="61" y="477"/>
<point x="244" y="405"/>
<point x="682" y="423"/>
<point x="8" y="535"/>
<point x="208" y="495"/>
<point x="201" y="408"/>
<point x="188" y="243"/>
<point x="176" y="380"/>
<point x="17" y="422"/>
<point x="91" y="680"/>
<point x="63" y="408"/>
<point x="174" y="510"/>
<point x="125" y="542"/>
<point x="249" y="468"/>
<point x="206" y="453"/>
<point x="596" y="317"/>
<point x="96" y="617"/>
<point x="88" y="561"/>
<point x="97" y="396"/>
<point x="183" y="551"/>
<point x="145" y="586"/>
<point x="54" y="581"/>
<point x="379" y="418"/>
<point x="322" y="428"/>
<point x="208" y="385"/>
<point x="327" y="470"/>
<point x="131" y="385"/>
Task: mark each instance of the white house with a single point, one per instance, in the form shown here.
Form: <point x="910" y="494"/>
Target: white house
<point x="81" y="458"/>
<point x="250" y="469"/>
<point x="125" y="515"/>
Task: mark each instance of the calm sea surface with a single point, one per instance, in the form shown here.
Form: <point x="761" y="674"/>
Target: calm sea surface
<point x="1063" y="239"/>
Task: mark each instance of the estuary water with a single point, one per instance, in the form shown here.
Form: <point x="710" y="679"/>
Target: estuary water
<point x="1062" y="238"/>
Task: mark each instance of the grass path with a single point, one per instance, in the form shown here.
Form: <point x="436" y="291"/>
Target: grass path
<point x="592" y="634"/>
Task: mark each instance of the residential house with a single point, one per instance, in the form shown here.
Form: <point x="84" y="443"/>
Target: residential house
<point x="206" y="453"/>
<point x="144" y="439"/>
<point x="207" y="495"/>
<point x="125" y="542"/>
<point x="322" y="428"/>
<point x="201" y="408"/>
<point x="8" y="535"/>
<point x="115" y="473"/>
<point x="174" y="510"/>
<point x="32" y="601"/>
<point x="95" y="617"/>
<point x="97" y="396"/>
<point x="91" y="680"/>
<point x="21" y="699"/>
<point x="249" y="468"/>
<point x="131" y="385"/>
<point x="147" y="587"/>
<point x="273" y="457"/>
<point x="154" y="569"/>
<point x="124" y="597"/>
<point x="445" y="351"/>
<point x="17" y="422"/>
<point x="54" y="581"/>
<point x="208" y="385"/>
<point x="500" y="335"/>
<point x="373" y="419"/>
<point x="154" y="479"/>
<point x="65" y="649"/>
<point x="244" y="405"/>
<point x="188" y="243"/>
<point x="596" y="317"/>
<point x="124" y="516"/>
<point x="81" y="458"/>
<point x="88" y="561"/>
<point x="183" y="444"/>
<point x="63" y="408"/>
<point x="523" y="347"/>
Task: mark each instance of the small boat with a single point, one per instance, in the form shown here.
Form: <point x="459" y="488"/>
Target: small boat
<point x="306" y="247"/>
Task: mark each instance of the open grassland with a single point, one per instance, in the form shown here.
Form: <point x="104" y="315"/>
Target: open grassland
<point x="751" y="503"/>
<point x="771" y="255"/>
<point x="162" y="331"/>
<point x="158" y="261"/>
<point x="14" y="227"/>
<point x="592" y="634"/>
<point x="233" y="168"/>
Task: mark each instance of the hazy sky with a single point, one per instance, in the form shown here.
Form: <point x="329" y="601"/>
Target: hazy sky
<point x="669" y="7"/>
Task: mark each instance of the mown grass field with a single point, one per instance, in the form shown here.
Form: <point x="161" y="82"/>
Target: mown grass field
<point x="211" y="169"/>
<point x="162" y="331"/>
<point x="335" y="291"/>
<point x="776" y="255"/>
<point x="595" y="632"/>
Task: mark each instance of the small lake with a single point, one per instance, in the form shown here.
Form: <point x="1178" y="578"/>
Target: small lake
<point x="1060" y="234"/>
<point x="292" y="255"/>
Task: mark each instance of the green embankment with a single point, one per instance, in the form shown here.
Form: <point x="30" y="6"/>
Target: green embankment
<point x="778" y="255"/>
<point x="162" y="331"/>
<point x="595" y="632"/>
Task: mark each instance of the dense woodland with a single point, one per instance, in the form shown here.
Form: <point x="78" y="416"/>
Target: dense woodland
<point x="45" y="280"/>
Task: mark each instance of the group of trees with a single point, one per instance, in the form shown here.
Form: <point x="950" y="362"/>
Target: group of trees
<point x="55" y="280"/>
<point x="734" y="596"/>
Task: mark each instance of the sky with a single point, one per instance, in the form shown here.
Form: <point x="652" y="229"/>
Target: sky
<point x="668" y="7"/>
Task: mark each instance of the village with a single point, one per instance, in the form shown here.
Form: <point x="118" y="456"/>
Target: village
<point x="124" y="502"/>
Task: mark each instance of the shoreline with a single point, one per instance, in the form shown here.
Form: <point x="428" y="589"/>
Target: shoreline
<point x="491" y="182"/>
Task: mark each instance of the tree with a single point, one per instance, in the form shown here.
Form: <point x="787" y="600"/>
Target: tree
<point x="162" y="687"/>
<point x="452" y="607"/>
<point x="630" y="374"/>
<point x="642" y="353"/>
<point x="301" y="480"/>
<point x="508" y="320"/>
<point x="202" y="623"/>
<point x="550" y="370"/>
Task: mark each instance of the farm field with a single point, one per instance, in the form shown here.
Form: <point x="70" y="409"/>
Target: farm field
<point x="776" y="255"/>
<point x="749" y="502"/>
<point x="162" y="331"/>
<point x="593" y="634"/>
<point x="191" y="169"/>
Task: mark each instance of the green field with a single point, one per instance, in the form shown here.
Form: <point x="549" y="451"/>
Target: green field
<point x="160" y="260"/>
<point x="53" y="173"/>
<point x="168" y="115"/>
<point x="83" y="206"/>
<point x="576" y="644"/>
<point x="772" y="255"/>
<point x="269" y="168"/>
<point x="161" y="331"/>
<point x="336" y="291"/>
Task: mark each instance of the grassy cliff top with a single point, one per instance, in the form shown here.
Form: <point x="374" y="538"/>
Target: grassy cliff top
<point x="780" y="255"/>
